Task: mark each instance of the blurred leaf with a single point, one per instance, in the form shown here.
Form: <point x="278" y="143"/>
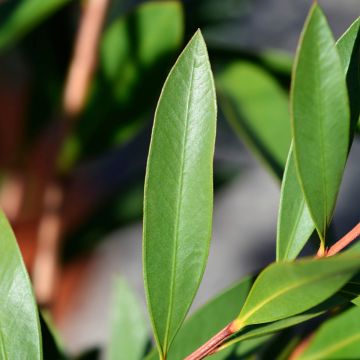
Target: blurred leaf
<point x="129" y="333"/>
<point x="295" y="224"/>
<point x="179" y="191"/>
<point x="52" y="347"/>
<point x="257" y="108"/>
<point x="20" y="335"/>
<point x="320" y="119"/>
<point x="348" y="47"/>
<point x="286" y="289"/>
<point x="206" y="321"/>
<point x="19" y="17"/>
<point x="337" y="338"/>
<point x="136" y="53"/>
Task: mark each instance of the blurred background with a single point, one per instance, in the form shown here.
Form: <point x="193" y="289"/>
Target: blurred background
<point x="79" y="81"/>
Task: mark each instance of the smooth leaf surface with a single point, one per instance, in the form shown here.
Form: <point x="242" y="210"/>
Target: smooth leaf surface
<point x="129" y="333"/>
<point x="179" y="191"/>
<point x="320" y="118"/>
<point x="20" y="335"/>
<point x="295" y="224"/>
<point x="338" y="338"/>
<point x="277" y="291"/>
<point x="348" y="47"/>
<point x="22" y="16"/>
<point x="208" y="320"/>
<point x="257" y="108"/>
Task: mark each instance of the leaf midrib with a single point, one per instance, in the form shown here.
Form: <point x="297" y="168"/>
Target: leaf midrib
<point x="178" y="208"/>
<point x="280" y="292"/>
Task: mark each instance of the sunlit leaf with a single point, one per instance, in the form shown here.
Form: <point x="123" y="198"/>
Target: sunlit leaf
<point x="20" y="335"/>
<point x="178" y="196"/>
<point x="320" y="118"/>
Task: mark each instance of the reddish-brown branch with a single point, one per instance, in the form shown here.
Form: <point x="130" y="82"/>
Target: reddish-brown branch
<point x="210" y="346"/>
<point x="301" y="347"/>
<point x="344" y="241"/>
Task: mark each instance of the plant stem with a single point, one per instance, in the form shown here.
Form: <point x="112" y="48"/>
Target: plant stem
<point x="344" y="241"/>
<point x="210" y="346"/>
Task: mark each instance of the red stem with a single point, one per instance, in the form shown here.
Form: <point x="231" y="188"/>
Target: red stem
<point x="344" y="241"/>
<point x="210" y="346"/>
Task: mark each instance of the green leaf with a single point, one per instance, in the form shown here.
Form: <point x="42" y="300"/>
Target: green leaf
<point x="338" y="338"/>
<point x="257" y="108"/>
<point x="129" y="334"/>
<point x="179" y="191"/>
<point x="348" y="47"/>
<point x="320" y="118"/>
<point x="277" y="291"/>
<point x="20" y="335"/>
<point x="24" y="16"/>
<point x="208" y="320"/>
<point x="295" y="224"/>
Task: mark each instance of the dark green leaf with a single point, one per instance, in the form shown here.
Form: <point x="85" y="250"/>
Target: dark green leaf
<point x="179" y="191"/>
<point x="257" y="108"/>
<point x="23" y="16"/>
<point x="277" y="291"/>
<point x="20" y="336"/>
<point x="295" y="224"/>
<point x="338" y="338"/>
<point x="129" y="334"/>
<point x="320" y="118"/>
<point x="348" y="47"/>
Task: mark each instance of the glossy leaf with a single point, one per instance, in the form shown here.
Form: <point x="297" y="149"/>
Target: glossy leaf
<point x="208" y="320"/>
<point x="257" y="108"/>
<point x="179" y="191"/>
<point x="337" y="338"/>
<point x="348" y="47"/>
<point x="286" y="289"/>
<point x="295" y="224"/>
<point x="320" y="118"/>
<point x="22" y="16"/>
<point x="129" y="334"/>
<point x="20" y="335"/>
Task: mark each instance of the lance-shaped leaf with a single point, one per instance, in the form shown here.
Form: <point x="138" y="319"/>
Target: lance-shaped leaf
<point x="295" y="224"/>
<point x="18" y="17"/>
<point x="320" y="118"/>
<point x="179" y="191"/>
<point x="20" y="335"/>
<point x="257" y="108"/>
<point x="338" y="338"/>
<point x="129" y="334"/>
<point x="348" y="47"/>
<point x="276" y="292"/>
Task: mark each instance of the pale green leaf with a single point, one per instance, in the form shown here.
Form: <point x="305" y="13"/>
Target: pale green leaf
<point x="257" y="108"/>
<point x="20" y="335"/>
<point x="295" y="224"/>
<point x="129" y="333"/>
<point x="338" y="338"/>
<point x="320" y="118"/>
<point x="23" y="16"/>
<point x="276" y="292"/>
<point x="179" y="191"/>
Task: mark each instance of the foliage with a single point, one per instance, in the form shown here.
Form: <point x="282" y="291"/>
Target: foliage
<point x="306" y="149"/>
